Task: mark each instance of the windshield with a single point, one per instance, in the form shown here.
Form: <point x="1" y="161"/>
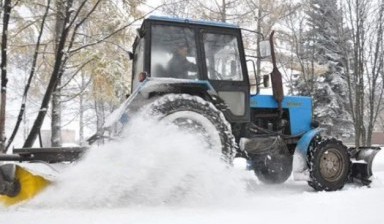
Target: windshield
<point x="222" y="57"/>
<point x="173" y="52"/>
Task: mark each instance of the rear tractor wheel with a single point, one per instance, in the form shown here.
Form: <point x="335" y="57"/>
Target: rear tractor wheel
<point x="195" y="114"/>
<point x="329" y="165"/>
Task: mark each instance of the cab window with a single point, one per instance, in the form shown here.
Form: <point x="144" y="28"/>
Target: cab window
<point x="173" y="52"/>
<point x="222" y="57"/>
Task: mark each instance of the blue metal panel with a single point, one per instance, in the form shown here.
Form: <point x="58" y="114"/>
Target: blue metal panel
<point x="305" y="140"/>
<point x="192" y="21"/>
<point x="300" y="110"/>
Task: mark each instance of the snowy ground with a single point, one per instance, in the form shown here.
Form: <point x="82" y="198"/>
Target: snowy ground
<point x="155" y="177"/>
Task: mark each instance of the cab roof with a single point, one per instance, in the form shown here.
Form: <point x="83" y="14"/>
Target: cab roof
<point x="192" y="21"/>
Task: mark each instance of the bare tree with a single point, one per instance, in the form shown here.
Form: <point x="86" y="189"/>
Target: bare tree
<point x="300" y="43"/>
<point x="218" y="10"/>
<point x="56" y="73"/>
<point x="263" y="16"/>
<point x="375" y="74"/>
<point x="364" y="83"/>
<point x="31" y="75"/>
<point x="4" y="38"/>
<point x="71" y="54"/>
<point x="56" y="94"/>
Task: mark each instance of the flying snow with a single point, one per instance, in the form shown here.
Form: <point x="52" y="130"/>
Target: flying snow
<point x="154" y="164"/>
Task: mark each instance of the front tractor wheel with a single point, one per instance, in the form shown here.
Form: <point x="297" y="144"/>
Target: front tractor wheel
<point x="273" y="164"/>
<point x="329" y="165"/>
<point x="199" y="116"/>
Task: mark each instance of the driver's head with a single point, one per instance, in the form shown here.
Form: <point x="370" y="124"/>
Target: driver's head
<point x="182" y="50"/>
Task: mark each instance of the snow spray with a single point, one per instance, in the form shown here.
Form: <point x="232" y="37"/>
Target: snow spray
<point x="154" y="164"/>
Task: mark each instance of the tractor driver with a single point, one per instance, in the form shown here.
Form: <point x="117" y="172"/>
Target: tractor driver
<point x="179" y="66"/>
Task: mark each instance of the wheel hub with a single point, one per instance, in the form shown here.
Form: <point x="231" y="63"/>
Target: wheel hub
<point x="331" y="165"/>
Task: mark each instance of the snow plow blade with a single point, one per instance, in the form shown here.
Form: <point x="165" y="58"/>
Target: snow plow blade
<point x="17" y="184"/>
<point x="21" y="178"/>
<point x="362" y="158"/>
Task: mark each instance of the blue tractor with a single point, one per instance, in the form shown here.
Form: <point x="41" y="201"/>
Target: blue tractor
<point x="194" y="75"/>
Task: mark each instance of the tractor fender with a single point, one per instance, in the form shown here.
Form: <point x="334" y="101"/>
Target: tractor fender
<point x="300" y="165"/>
<point x="150" y="89"/>
<point x="305" y="140"/>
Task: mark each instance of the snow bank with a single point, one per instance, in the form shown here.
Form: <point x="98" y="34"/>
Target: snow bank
<point x="156" y="164"/>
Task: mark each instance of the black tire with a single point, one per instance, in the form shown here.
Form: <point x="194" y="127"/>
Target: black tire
<point x="275" y="166"/>
<point x="276" y="175"/>
<point x="329" y="165"/>
<point x="182" y="109"/>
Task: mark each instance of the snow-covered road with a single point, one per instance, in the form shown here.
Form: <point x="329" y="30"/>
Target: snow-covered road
<point x="167" y="181"/>
<point x="288" y="203"/>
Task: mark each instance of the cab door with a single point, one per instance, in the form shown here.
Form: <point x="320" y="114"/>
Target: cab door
<point x="225" y="68"/>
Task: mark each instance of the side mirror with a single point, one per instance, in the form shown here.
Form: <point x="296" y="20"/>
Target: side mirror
<point x="266" y="81"/>
<point x="130" y="55"/>
<point x="265" y="48"/>
<point x="139" y="33"/>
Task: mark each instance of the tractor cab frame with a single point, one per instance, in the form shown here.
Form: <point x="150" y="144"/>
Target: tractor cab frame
<point x="216" y="49"/>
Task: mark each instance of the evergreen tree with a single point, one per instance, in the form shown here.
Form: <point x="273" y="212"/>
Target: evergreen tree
<point x="327" y="41"/>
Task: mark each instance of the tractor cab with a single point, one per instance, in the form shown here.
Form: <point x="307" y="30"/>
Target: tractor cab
<point x="195" y="51"/>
